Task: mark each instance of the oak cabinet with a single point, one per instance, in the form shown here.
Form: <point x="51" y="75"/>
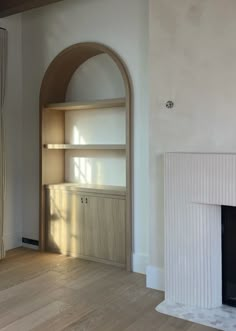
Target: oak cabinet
<point x="86" y="225"/>
<point x="64" y="215"/>
<point x="104" y="230"/>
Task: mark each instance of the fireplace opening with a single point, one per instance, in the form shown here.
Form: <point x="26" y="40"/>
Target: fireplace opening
<point x="229" y="255"/>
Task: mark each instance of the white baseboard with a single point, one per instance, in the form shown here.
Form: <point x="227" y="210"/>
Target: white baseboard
<point x="155" y="278"/>
<point x="140" y="262"/>
<point x="12" y="240"/>
<point x="30" y="246"/>
<point x="33" y="236"/>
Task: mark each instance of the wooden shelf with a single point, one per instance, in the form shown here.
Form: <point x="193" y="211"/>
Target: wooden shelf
<point x="86" y="105"/>
<point x="88" y="188"/>
<point x="85" y="147"/>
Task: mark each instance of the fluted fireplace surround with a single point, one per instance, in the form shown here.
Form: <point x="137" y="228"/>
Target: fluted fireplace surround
<point x="196" y="186"/>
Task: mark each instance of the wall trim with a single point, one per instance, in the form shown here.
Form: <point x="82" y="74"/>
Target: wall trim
<point x="155" y="278"/>
<point x="30" y="243"/>
<point x="30" y="246"/>
<point x="140" y="262"/>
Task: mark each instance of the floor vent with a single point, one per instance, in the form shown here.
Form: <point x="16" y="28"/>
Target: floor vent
<point x="30" y="241"/>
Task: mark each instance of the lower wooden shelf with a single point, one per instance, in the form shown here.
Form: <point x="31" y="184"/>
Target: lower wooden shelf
<point x="85" y="147"/>
<point x="89" y="188"/>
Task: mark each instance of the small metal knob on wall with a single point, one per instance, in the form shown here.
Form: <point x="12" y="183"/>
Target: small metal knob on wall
<point x="82" y="200"/>
<point x="86" y="200"/>
<point x="170" y="104"/>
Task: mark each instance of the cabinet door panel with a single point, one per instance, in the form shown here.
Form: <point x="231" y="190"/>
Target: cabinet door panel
<point x="104" y="229"/>
<point x="64" y="215"/>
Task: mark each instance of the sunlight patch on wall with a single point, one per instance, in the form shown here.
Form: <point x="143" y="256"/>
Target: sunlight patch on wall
<point x="77" y="138"/>
<point x="82" y="170"/>
<point x="95" y="167"/>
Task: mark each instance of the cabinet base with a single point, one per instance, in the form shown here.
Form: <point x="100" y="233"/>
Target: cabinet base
<point x="88" y="258"/>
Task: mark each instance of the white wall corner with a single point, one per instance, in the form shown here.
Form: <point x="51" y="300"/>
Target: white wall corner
<point x="12" y="240"/>
<point x="140" y="262"/>
<point x="155" y="278"/>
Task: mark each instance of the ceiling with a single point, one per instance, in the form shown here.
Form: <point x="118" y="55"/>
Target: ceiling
<point x="10" y="7"/>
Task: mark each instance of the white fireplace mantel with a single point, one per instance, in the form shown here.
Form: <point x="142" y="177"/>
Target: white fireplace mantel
<point x="196" y="185"/>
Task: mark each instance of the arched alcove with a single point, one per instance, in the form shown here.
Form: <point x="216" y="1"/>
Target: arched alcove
<point x="53" y="91"/>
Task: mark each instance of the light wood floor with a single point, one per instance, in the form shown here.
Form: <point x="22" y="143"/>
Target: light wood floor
<point x="48" y="292"/>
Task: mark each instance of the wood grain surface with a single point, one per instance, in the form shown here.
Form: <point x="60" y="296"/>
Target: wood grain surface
<point x="50" y="292"/>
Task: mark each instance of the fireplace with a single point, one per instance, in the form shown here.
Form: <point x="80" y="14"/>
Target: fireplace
<point x="197" y="185"/>
<point x="229" y="255"/>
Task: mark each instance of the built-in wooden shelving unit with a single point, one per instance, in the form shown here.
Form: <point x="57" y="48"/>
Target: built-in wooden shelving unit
<point x="85" y="147"/>
<point x="87" y="105"/>
<point x="91" y="221"/>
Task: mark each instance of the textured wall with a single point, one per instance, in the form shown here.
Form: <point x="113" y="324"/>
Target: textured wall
<point x="192" y="61"/>
<point x="13" y="125"/>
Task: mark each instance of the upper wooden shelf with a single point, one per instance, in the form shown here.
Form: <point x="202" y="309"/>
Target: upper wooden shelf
<point x="84" y="147"/>
<point x="86" y="105"/>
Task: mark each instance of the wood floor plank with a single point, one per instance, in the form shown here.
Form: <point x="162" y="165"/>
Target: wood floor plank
<point x="150" y="318"/>
<point x="50" y="292"/>
<point x="37" y="317"/>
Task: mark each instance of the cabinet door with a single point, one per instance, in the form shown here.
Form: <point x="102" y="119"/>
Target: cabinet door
<point x="64" y="215"/>
<point x="104" y="229"/>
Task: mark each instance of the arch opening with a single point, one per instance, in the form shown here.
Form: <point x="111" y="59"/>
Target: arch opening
<point x="54" y="89"/>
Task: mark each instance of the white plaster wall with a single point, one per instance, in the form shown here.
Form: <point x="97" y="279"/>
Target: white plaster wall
<point x="192" y="61"/>
<point x="122" y="25"/>
<point x="98" y="78"/>
<point x="13" y="127"/>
